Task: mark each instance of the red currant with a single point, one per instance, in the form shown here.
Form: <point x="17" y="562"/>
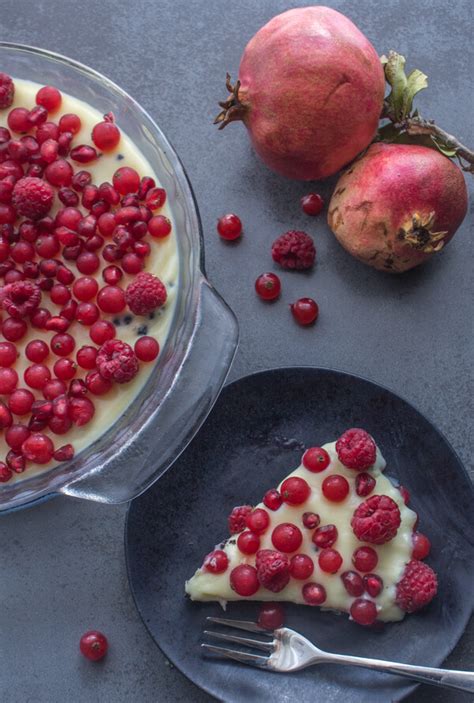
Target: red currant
<point x="85" y="288"/>
<point x="421" y="546"/>
<point x="111" y="299"/>
<point x="268" y="286"/>
<point x="106" y="136"/>
<point x="316" y="459"/>
<point x="20" y="401"/>
<point x="248" y="542"/>
<point x="88" y="262"/>
<point x="229" y="227"/>
<point x="312" y="204"/>
<point x="37" y="376"/>
<point x="159" y="226"/>
<point x="258" y="520"/>
<point x="101" y="331"/>
<point x="216" y="562"/>
<point x="287" y="537"/>
<point x="271" y="616"/>
<point x="243" y="580"/>
<point x="96" y="384"/>
<point x="93" y="645"/>
<point x="8" y="354"/>
<point x="363" y="612"/>
<point x="301" y="566"/>
<point x="295" y="490"/>
<point x="314" y="593"/>
<point x="365" y="559"/>
<point x="330" y="561"/>
<point x="126" y="180"/>
<point x="65" y="369"/>
<point x="87" y="313"/>
<point x="86" y="357"/>
<point x="62" y="344"/>
<point x="305" y="311"/>
<point x="38" y="448"/>
<point x="146" y="348"/>
<point x="335" y="488"/>
<point x="70" y="123"/>
<point x="353" y="583"/>
<point x="60" y="294"/>
<point x="14" y="330"/>
<point x="8" y="380"/>
<point x="54" y="388"/>
<point x="16" y="435"/>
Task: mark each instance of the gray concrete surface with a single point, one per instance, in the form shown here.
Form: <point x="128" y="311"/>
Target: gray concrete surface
<point x="62" y="564"/>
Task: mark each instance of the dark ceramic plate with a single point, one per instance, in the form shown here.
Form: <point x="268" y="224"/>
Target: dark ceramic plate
<point x="254" y="436"/>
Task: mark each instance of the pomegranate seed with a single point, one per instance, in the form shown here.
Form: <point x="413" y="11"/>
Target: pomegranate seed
<point x="60" y="425"/>
<point x="5" y="135"/>
<point x="85" y="288"/>
<point x="62" y="344"/>
<point x="301" y="566"/>
<point x="77" y="388"/>
<point x="45" y="283"/>
<point x="108" y="193"/>
<point x="37" y="351"/>
<point x="94" y="243"/>
<point x="268" y="286"/>
<point x="100" y="207"/>
<point x="8" y="354"/>
<point x="68" y="197"/>
<point x="330" y="561"/>
<point x="295" y="490"/>
<point x="314" y="594"/>
<point x="5" y="473"/>
<point x="18" y="119"/>
<point x="90" y="195"/>
<point x="272" y="498"/>
<point x="48" y="268"/>
<point x="111" y="299"/>
<point x="67" y="237"/>
<point x="65" y="275"/>
<point x="106" y="136"/>
<point x="42" y="409"/>
<point x="16" y="461"/>
<point x="13" y="330"/>
<point x="101" y="331"/>
<point x="86" y="357"/>
<point x="155" y="198"/>
<point x="11" y="168"/>
<point x="365" y="559"/>
<point x="87" y="313"/>
<point x="80" y="180"/>
<point x="87" y="226"/>
<point x="57" y="324"/>
<point x="83" y="153"/>
<point x="271" y="616"/>
<point x="248" y="542"/>
<point x="37" y="116"/>
<point x="110" y="253"/>
<point x="64" y="453"/>
<point x="365" y="484"/>
<point x="352" y="583"/>
<point x="6" y="190"/>
<point x="16" y="435"/>
<point x="48" y="130"/>
<point x="7" y="214"/>
<point x="229" y="227"/>
<point x="112" y="275"/>
<point x="305" y="311"/>
<point x="72" y="252"/>
<point x="64" y="143"/>
<point x="18" y="151"/>
<point x="373" y="584"/>
<point x="49" y="97"/>
<point x="311" y="520"/>
<point x="37" y="376"/>
<point x="70" y="123"/>
<point x="126" y="180"/>
<point x="287" y="537"/>
<point x="93" y="645"/>
<point x="243" y="580"/>
<point x="335" y="488"/>
<point x="65" y="369"/>
<point x="325" y="536"/>
<point x="106" y="224"/>
<point x="363" y="612"/>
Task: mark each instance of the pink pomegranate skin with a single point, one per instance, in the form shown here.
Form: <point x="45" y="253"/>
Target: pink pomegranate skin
<point x="313" y="87"/>
<point x="375" y="200"/>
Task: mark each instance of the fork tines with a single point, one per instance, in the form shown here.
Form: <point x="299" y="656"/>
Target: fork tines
<point x="243" y="657"/>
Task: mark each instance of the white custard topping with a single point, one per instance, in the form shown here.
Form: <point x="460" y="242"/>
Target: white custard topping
<point x="162" y="261"/>
<point x="392" y="556"/>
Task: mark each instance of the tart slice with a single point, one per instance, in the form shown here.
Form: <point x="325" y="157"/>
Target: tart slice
<point x="336" y="533"/>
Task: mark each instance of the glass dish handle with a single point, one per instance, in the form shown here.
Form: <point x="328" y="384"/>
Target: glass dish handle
<point x="120" y="475"/>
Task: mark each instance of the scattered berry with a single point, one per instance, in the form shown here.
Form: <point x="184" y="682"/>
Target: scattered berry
<point x="376" y="520"/>
<point x="272" y="499"/>
<point x="335" y="488"/>
<point x="312" y="204"/>
<point x="273" y="569"/>
<point x="268" y="286"/>
<point x="8" y="353"/>
<point x="93" y="645"/>
<point x="126" y="180"/>
<point x="373" y="584"/>
<point x="248" y="542"/>
<point x="421" y="546"/>
<point x="229" y="227"/>
<point x="325" y="536"/>
<point x="405" y="494"/>
<point x="243" y="580"/>
<point x="353" y="583"/>
<point x="330" y="561"/>
<point x="295" y="490"/>
<point x="316" y="459"/>
<point x="294" y="250"/>
<point x="258" y="520"/>
<point x="314" y="593"/>
<point x="106" y="135"/>
<point x="49" y="97"/>
<point x="365" y="559"/>
<point x="365" y="484"/>
<point x="38" y="448"/>
<point x="301" y="566"/>
<point x="8" y="381"/>
<point x="305" y="311"/>
<point x="356" y="449"/>
<point x="146" y="348"/>
<point x="363" y="611"/>
<point x="101" y="331"/>
<point x="32" y="197"/>
<point x="311" y="520"/>
<point x="238" y="517"/>
<point x="64" y="453"/>
<point x="271" y="616"/>
<point x="159" y="226"/>
<point x="287" y="537"/>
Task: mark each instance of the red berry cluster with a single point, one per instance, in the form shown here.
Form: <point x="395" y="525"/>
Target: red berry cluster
<point x="54" y="258"/>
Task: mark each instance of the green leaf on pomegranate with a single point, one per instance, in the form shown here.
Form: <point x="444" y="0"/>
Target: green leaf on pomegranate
<point x="395" y="75"/>
<point x="447" y="151"/>
<point x="416" y="81"/>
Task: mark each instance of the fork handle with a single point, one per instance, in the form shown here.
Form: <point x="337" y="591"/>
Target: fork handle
<point x="448" y="678"/>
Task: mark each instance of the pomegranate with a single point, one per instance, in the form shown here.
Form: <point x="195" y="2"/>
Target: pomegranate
<point x="398" y="205"/>
<point x="310" y="92"/>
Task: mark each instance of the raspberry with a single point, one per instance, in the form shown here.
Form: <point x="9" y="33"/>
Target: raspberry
<point x="376" y="520"/>
<point x="32" y="197"/>
<point x="237" y="520"/>
<point x="7" y="90"/>
<point x="116" y="361"/>
<point x="273" y="569"/>
<point x="20" y="299"/>
<point x="417" y="587"/>
<point x="294" y="250"/>
<point x="356" y="449"/>
<point x="145" y="294"/>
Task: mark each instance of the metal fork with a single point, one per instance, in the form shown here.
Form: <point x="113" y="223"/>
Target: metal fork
<point x="289" y="651"/>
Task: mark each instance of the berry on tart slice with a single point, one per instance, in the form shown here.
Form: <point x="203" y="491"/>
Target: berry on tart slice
<point x="335" y="533"/>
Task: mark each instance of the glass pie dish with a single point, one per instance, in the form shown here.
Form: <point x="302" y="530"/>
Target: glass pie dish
<point x="193" y="364"/>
